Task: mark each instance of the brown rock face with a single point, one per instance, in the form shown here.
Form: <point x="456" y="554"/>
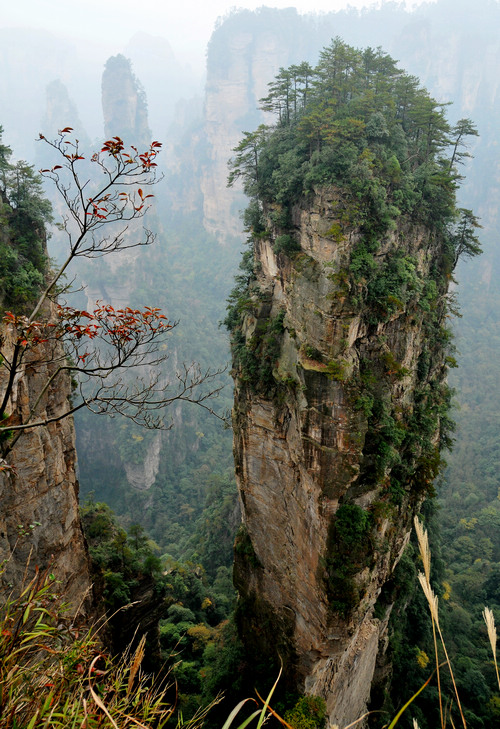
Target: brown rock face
<point x="39" y="520"/>
<point x="333" y="452"/>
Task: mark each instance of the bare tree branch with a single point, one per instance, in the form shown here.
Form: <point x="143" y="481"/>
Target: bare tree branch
<point x="102" y="347"/>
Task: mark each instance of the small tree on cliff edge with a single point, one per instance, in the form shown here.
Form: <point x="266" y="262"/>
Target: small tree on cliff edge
<point x="102" y="345"/>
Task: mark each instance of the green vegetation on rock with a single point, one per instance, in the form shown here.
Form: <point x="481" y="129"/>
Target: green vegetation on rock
<point x="354" y="235"/>
<point x="24" y="211"/>
<point x="358" y="122"/>
<point x="359" y="126"/>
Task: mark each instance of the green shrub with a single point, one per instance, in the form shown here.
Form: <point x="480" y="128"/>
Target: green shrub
<point x="243" y="546"/>
<point x="349" y="550"/>
<point x="311" y="352"/>
<point x="285" y="243"/>
<point x="308" y="713"/>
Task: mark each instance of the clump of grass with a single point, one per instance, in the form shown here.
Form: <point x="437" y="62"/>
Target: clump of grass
<point x="54" y="673"/>
<point x="492" y="635"/>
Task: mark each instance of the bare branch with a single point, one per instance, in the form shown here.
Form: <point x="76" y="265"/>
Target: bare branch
<point x="100" y="348"/>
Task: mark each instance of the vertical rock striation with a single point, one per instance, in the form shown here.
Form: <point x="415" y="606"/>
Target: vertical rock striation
<point x="39" y="520"/>
<point x="340" y="353"/>
<point x="124" y="104"/>
<point x="327" y="500"/>
<point x="244" y="53"/>
<point x="125" y="112"/>
<point x="232" y="93"/>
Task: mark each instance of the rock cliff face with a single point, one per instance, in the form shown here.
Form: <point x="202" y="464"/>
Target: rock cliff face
<point x="124" y="107"/>
<point x="124" y="104"/>
<point x="232" y="90"/>
<point x="454" y="54"/>
<point x="39" y="519"/>
<point x="59" y="108"/>
<point x="336" y="429"/>
<point x="243" y="56"/>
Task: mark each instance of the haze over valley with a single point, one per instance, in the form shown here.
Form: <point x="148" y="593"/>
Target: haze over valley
<point x="329" y="317"/>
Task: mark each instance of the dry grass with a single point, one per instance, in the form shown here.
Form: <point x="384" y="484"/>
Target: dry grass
<point x="55" y="675"/>
<point x="432" y="600"/>
<point x="492" y="635"/>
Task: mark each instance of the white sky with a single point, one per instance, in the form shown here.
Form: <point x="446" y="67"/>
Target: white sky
<point x="186" y="24"/>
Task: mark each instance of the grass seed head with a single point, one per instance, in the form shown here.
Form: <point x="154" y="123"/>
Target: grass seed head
<point x="423" y="543"/>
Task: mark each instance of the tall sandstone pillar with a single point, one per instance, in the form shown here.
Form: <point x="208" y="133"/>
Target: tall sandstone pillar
<point x="336" y="429"/>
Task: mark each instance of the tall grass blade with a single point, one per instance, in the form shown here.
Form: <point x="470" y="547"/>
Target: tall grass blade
<point x="136" y="663"/>
<point x="425" y="581"/>
<point x="410" y="701"/>
<point x="267" y="701"/>
<point x="236" y="711"/>
<point x="489" y="619"/>
<point x="423" y="543"/>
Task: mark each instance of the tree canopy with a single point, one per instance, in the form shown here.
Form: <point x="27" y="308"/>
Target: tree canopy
<point x="24" y="211"/>
<point x="358" y="121"/>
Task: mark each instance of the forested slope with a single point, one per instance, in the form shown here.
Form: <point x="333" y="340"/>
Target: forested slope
<point x="453" y="48"/>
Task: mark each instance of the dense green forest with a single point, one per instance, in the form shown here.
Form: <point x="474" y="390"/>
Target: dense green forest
<point x="191" y="511"/>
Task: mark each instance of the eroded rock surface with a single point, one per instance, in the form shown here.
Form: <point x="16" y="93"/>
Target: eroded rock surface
<point x="333" y="451"/>
<point x="39" y="519"/>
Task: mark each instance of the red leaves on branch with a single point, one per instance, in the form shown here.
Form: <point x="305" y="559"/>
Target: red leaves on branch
<point x="126" y="163"/>
<point x="142" y="195"/>
<point x="119" y="325"/>
<point x="29" y="332"/>
<point x="147" y="160"/>
<point x="113" y="146"/>
<point x="98" y="211"/>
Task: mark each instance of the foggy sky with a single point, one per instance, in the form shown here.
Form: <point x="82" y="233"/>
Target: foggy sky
<point x="187" y="25"/>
